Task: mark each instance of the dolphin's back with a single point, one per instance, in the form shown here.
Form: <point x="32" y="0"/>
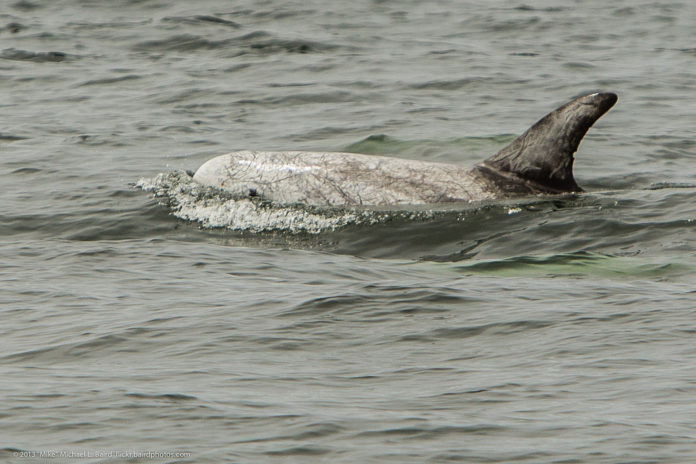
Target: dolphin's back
<point x="539" y="161"/>
<point x="340" y="179"/>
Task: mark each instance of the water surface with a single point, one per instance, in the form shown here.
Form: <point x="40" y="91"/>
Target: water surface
<point x="554" y="329"/>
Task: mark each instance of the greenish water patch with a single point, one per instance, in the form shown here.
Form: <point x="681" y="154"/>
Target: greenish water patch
<point x="382" y="144"/>
<point x="579" y="264"/>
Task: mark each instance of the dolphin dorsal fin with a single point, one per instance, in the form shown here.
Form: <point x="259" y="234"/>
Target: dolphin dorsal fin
<point x="544" y="154"/>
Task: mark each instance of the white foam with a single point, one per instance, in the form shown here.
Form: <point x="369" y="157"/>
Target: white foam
<point x="215" y="208"/>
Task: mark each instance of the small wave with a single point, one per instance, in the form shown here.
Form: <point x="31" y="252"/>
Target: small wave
<point x="64" y="351"/>
<point x="37" y="57"/>
<point x="304" y="99"/>
<point x="201" y="19"/>
<point x="291" y="46"/>
<point x="259" y="42"/>
<point x="454" y="84"/>
<point x="110" y="80"/>
<point x="299" y="451"/>
<point x="10" y="137"/>
<point x="281" y="13"/>
<point x="181" y="43"/>
<point x="25" y="5"/>
<point x="26" y="171"/>
<point x="426" y="432"/>
<point x="162" y="396"/>
<point x="577" y="264"/>
<point x="262" y="42"/>
<point x="670" y="185"/>
<point x="13" y="28"/>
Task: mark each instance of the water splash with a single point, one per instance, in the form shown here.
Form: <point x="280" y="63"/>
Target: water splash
<point x="215" y="208"/>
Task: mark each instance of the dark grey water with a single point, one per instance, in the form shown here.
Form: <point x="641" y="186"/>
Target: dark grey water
<point x="134" y="326"/>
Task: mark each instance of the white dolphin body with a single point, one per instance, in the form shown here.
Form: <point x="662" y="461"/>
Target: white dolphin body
<point x="539" y="161"/>
<point x="340" y="179"/>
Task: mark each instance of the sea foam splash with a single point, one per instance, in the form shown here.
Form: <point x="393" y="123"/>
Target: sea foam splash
<point x="215" y="208"/>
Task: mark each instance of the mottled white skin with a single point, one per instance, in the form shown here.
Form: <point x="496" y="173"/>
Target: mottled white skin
<point x="539" y="161"/>
<point x="341" y="179"/>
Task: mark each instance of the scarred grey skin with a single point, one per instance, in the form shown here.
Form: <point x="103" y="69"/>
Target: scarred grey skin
<point x="540" y="161"/>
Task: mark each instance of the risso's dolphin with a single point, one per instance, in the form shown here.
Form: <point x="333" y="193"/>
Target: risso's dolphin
<point x="540" y="161"/>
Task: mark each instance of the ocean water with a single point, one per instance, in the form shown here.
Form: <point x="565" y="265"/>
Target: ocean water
<point x="144" y="319"/>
